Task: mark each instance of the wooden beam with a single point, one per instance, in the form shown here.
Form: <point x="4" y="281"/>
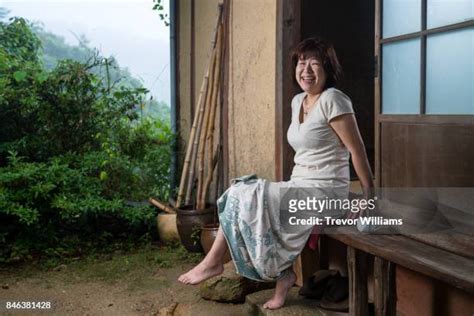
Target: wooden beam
<point x="358" y="294"/>
<point x="384" y="287"/>
<point x="377" y="90"/>
<point x="287" y="37"/>
<point x="414" y="255"/>
<point x="192" y="96"/>
<point x="225" y="182"/>
<point x="306" y="264"/>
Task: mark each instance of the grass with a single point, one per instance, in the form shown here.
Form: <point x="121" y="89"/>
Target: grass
<point x="142" y="267"/>
<point x="136" y="263"/>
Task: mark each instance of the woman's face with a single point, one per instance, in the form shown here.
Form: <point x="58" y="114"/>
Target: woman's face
<point x="310" y="75"/>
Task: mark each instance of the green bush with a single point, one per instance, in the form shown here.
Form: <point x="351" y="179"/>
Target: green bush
<point x="75" y="155"/>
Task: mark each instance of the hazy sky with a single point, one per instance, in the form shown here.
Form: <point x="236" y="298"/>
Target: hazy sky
<point x="128" y="29"/>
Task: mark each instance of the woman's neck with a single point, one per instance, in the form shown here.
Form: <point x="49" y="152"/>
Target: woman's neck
<point x="312" y="98"/>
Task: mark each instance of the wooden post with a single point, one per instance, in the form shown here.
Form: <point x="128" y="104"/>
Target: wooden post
<point x="306" y="264"/>
<point x="384" y="288"/>
<point x="358" y="296"/>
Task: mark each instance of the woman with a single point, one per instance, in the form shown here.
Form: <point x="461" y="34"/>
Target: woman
<point x="324" y="134"/>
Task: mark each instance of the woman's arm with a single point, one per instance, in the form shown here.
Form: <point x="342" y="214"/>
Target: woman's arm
<point x="346" y="129"/>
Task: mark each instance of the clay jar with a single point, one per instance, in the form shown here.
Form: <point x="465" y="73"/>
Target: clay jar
<point x="167" y="229"/>
<point x="190" y="222"/>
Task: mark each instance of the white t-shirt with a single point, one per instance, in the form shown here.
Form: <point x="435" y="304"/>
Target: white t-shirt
<point x="319" y="153"/>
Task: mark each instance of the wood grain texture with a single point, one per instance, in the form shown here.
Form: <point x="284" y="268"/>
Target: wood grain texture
<point x="288" y="35"/>
<point x="427" y="155"/>
<point x="442" y="265"/>
<point x="306" y="264"/>
<point x="384" y="287"/>
<point x="358" y="294"/>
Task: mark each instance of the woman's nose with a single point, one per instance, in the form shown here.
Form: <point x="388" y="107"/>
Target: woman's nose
<point x="308" y="68"/>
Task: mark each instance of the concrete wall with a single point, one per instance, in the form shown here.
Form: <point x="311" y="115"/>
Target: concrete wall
<point x="251" y="95"/>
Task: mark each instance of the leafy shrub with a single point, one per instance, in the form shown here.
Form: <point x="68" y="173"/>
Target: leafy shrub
<point x="74" y="154"/>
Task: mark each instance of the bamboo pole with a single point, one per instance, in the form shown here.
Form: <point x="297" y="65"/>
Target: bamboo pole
<point x="199" y="131"/>
<point x="195" y="141"/>
<point x="195" y="122"/>
<point x="212" y="167"/>
<point x="162" y="206"/>
<point x="202" y="136"/>
<point x="187" y="159"/>
<point x="210" y="127"/>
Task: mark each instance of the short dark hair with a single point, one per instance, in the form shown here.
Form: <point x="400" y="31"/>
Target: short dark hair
<point x="325" y="53"/>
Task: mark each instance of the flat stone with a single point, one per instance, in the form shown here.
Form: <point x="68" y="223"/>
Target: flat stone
<point x="295" y="305"/>
<point x="230" y="287"/>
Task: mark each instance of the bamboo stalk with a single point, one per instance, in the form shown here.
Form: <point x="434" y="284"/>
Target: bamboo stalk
<point x="195" y="122"/>
<point x="202" y="138"/>
<point x="210" y="127"/>
<point x="195" y="142"/>
<point x="187" y="159"/>
<point x="162" y="206"/>
<point x="212" y="167"/>
<point x="199" y="131"/>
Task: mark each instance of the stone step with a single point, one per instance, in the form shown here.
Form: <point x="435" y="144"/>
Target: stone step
<point x="295" y="305"/>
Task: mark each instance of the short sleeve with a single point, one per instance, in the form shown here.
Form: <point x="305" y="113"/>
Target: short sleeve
<point x="336" y="103"/>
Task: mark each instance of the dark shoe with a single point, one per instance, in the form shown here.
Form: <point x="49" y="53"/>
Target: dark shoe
<point x="337" y="289"/>
<point x="336" y="294"/>
<point x="342" y="306"/>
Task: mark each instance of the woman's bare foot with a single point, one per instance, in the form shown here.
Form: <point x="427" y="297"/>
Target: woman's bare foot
<point x="281" y="290"/>
<point x="201" y="272"/>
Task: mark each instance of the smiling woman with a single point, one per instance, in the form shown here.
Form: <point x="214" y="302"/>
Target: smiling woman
<point x="316" y="69"/>
<point x="249" y="211"/>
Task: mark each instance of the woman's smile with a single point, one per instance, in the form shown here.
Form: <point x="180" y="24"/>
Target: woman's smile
<point x="310" y="75"/>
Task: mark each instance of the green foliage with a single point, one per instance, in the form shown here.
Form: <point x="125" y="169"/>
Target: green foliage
<point x="158" y="7"/>
<point x="54" y="49"/>
<point x="19" y="40"/>
<point x="74" y="153"/>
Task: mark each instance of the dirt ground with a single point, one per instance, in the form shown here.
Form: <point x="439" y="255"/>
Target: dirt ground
<point x="138" y="283"/>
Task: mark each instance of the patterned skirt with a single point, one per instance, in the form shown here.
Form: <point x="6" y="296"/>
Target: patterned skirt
<point x="261" y="245"/>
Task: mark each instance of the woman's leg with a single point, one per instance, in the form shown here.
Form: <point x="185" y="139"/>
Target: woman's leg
<point x="281" y="290"/>
<point x="211" y="265"/>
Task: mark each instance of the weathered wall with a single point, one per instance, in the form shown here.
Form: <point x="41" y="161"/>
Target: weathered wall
<point x="252" y="88"/>
<point x="251" y="95"/>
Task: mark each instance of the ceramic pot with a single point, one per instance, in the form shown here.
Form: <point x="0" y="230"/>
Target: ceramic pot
<point x="167" y="229"/>
<point x="190" y="221"/>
